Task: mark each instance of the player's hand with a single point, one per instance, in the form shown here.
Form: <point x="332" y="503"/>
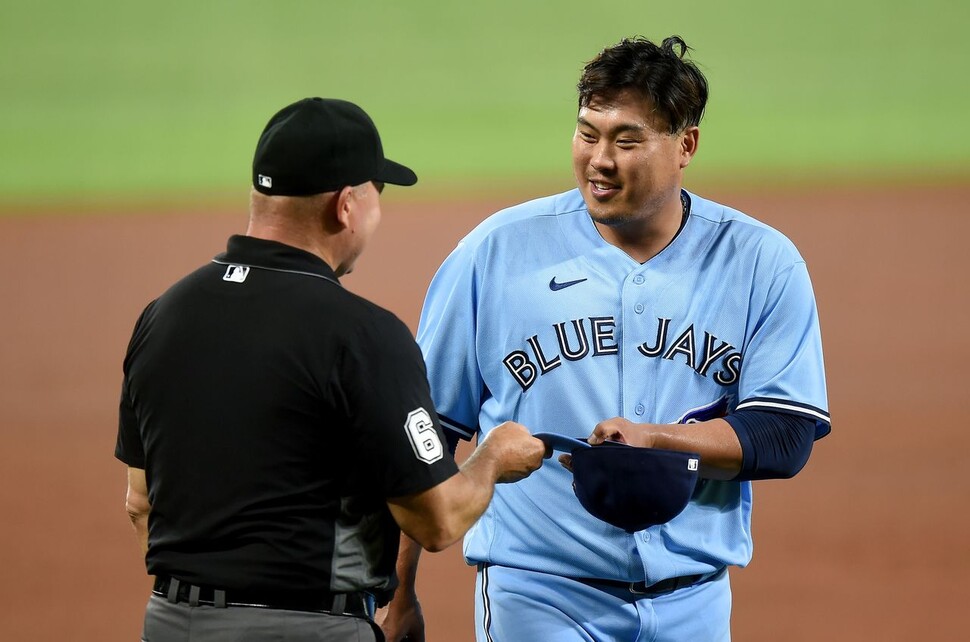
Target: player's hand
<point x="623" y="431"/>
<point x="567" y="461"/>
<point x="616" y="429"/>
<point x="516" y="451"/>
<point x="402" y="620"/>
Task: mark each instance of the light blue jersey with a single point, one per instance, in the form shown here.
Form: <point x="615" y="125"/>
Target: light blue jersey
<point x="535" y="318"/>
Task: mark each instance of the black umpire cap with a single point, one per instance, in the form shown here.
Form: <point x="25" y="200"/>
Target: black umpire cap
<point x="321" y="145"/>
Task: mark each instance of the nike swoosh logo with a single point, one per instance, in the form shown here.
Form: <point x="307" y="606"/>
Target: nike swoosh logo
<point x="555" y="287"/>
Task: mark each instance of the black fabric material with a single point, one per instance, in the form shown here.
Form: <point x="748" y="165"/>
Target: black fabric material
<point x="453" y="438"/>
<point x="320" y="145"/>
<point x="774" y="445"/>
<point x="266" y="411"/>
<point x="360" y="603"/>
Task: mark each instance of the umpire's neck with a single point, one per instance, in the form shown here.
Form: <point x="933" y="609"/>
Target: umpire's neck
<point x="321" y="224"/>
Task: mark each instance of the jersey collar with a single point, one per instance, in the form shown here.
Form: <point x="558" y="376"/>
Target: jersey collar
<point x="272" y="255"/>
<point x="595" y="239"/>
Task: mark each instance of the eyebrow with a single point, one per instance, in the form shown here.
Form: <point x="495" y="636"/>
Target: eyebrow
<point x="624" y="127"/>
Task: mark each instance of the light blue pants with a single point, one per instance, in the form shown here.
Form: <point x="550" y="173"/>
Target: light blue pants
<point x="512" y="605"/>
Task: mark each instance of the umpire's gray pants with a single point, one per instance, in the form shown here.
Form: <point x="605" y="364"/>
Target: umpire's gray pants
<point x="168" y="622"/>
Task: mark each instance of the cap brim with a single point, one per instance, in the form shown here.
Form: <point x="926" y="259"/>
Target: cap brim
<point x="561" y="442"/>
<point x="396" y="174"/>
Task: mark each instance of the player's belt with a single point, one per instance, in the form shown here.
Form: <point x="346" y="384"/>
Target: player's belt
<point x="663" y="587"/>
<point x="360" y="603"/>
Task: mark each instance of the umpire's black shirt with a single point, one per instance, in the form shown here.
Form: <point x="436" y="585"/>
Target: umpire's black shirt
<point x="273" y="412"/>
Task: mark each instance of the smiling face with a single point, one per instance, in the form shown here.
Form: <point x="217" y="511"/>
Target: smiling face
<point x="628" y="166"/>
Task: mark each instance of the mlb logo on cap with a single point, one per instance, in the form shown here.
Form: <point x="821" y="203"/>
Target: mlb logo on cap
<point x="630" y="488"/>
<point x="318" y="145"/>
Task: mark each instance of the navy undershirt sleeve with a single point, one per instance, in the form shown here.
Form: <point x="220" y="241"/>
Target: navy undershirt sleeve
<point x="774" y="445"/>
<point x="452" y="438"/>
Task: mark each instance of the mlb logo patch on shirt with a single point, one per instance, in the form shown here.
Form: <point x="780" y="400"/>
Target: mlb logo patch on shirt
<point x="236" y="273"/>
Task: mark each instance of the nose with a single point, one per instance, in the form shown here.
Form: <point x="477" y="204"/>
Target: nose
<point x="602" y="159"/>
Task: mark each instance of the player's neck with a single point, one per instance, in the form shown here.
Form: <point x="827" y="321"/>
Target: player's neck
<point x="645" y="237"/>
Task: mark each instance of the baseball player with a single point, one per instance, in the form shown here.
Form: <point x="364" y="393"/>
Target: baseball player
<point x="278" y="429"/>
<point x="632" y="310"/>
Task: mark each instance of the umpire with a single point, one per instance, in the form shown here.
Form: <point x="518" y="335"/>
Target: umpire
<point x="278" y="429"/>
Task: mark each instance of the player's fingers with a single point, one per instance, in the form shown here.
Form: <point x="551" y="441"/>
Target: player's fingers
<point x="567" y="462"/>
<point x="609" y="430"/>
<point x="601" y="433"/>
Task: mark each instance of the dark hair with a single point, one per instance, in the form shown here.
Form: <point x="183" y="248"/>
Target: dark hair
<point x="675" y="86"/>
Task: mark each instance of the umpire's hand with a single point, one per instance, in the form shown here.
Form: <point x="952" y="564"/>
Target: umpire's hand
<point x="515" y="451"/>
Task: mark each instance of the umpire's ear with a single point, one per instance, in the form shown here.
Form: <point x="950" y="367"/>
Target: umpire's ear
<point x="344" y="203"/>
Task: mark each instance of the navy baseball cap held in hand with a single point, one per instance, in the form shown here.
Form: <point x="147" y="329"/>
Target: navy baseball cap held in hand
<point x="321" y="145"/>
<point x="630" y="488"/>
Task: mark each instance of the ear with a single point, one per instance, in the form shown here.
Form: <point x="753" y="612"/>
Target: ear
<point x="345" y="201"/>
<point x="688" y="145"/>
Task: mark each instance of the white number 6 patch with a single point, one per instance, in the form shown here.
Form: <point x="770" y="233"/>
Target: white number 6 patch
<point x="423" y="437"/>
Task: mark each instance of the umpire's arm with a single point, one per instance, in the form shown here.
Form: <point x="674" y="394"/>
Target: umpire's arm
<point x="438" y="517"/>
<point x="137" y="505"/>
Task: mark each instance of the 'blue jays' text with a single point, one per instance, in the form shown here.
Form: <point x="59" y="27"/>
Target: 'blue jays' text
<point x="596" y="336"/>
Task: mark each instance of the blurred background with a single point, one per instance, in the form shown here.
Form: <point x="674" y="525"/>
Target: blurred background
<point x="126" y="138"/>
<point x="108" y="101"/>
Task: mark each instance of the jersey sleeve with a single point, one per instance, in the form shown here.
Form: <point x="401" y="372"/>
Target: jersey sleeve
<point x="782" y="367"/>
<point x="397" y="443"/>
<point x="128" y="445"/>
<point x="447" y="334"/>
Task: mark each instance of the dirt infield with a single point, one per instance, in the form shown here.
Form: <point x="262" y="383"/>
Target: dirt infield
<point x="870" y="542"/>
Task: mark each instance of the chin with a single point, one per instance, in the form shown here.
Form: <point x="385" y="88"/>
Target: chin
<point x="610" y="219"/>
<point x="604" y="213"/>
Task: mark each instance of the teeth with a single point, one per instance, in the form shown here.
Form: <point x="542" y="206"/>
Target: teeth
<point x="599" y="185"/>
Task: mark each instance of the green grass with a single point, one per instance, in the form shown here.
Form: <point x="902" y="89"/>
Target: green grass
<point x="107" y="100"/>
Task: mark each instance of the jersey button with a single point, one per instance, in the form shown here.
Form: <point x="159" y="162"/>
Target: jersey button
<point x="638" y="279"/>
<point x="639" y="409"/>
<point x="638" y="308"/>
